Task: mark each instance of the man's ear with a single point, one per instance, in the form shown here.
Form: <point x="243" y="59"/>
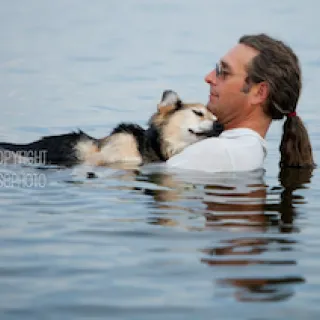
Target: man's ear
<point x="260" y="93"/>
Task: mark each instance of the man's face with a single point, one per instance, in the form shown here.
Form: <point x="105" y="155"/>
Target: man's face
<point x="227" y="100"/>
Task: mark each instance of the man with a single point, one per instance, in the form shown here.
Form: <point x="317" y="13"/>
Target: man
<point x="257" y="81"/>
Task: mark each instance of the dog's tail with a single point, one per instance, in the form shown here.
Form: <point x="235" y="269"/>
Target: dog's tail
<point x="56" y="150"/>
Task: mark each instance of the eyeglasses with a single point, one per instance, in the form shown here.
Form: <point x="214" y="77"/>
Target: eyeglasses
<point x="222" y="73"/>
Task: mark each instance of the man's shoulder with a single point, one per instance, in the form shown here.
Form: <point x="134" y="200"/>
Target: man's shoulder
<point x="234" y="144"/>
<point x="239" y="133"/>
<point x="229" y="138"/>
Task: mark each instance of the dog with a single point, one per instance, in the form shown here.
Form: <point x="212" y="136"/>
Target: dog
<point x="172" y="128"/>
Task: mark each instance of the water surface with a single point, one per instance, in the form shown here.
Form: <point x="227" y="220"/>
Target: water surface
<point x="148" y="243"/>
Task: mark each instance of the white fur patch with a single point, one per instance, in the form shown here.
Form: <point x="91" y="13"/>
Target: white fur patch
<point x="120" y="147"/>
<point x="85" y="149"/>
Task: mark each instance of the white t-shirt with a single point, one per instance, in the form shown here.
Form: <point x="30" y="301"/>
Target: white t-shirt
<point x="240" y="149"/>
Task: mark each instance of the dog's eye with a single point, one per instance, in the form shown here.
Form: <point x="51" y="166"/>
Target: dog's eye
<point x="198" y="113"/>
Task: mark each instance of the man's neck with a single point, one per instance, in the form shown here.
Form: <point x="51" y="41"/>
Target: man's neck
<point x="257" y="124"/>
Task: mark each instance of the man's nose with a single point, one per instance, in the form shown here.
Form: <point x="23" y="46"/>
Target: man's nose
<point x="211" y="77"/>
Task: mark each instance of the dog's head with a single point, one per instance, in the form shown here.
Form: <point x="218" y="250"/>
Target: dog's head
<point x="182" y="124"/>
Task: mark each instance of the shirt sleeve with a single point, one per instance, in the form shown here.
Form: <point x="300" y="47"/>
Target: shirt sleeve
<point x="209" y="155"/>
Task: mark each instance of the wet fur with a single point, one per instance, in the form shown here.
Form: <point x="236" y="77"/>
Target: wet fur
<point x="167" y="134"/>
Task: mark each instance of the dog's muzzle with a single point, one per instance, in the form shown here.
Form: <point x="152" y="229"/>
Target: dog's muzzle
<point x="215" y="131"/>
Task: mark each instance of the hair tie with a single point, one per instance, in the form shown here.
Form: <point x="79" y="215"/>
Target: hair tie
<point x="291" y="114"/>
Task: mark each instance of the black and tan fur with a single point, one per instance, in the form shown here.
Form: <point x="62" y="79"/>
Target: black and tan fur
<point x="173" y="127"/>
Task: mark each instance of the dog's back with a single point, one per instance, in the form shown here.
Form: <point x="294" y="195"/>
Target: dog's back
<point x="58" y="149"/>
<point x="173" y="127"/>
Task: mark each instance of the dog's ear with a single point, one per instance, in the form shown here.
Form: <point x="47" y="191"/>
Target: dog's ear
<point x="170" y="101"/>
<point x="165" y="109"/>
<point x="169" y="97"/>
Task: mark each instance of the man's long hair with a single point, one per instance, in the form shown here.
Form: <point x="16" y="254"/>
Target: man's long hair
<point x="278" y="66"/>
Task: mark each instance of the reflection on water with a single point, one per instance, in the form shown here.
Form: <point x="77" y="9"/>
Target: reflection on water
<point x="290" y="180"/>
<point x="155" y="233"/>
<point x="238" y="204"/>
<point x="264" y="289"/>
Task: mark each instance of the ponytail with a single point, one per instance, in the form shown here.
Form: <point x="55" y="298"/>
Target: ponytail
<point x="278" y="66"/>
<point x="295" y="147"/>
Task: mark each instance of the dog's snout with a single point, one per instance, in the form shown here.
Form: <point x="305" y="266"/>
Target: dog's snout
<point x="216" y="130"/>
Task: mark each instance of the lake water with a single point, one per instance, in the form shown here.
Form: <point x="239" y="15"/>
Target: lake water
<point x="149" y="243"/>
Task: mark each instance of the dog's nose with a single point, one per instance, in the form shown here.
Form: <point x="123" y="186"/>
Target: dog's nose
<point x="217" y="129"/>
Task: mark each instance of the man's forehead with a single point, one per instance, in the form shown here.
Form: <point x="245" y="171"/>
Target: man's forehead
<point x="239" y="56"/>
